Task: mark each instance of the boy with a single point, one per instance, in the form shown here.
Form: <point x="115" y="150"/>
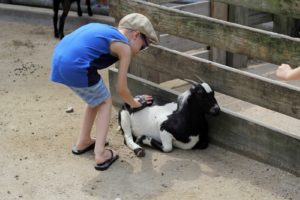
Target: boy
<point x="75" y="62"/>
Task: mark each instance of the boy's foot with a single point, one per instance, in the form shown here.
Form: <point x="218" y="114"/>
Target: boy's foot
<point x="106" y="164"/>
<point x="77" y="151"/>
<point x="82" y="151"/>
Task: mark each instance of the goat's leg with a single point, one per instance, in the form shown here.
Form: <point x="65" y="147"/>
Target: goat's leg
<point x="79" y="11"/>
<point x="66" y="5"/>
<point x="126" y="128"/>
<point x="166" y="139"/>
<point x="55" y="16"/>
<point x="193" y="140"/>
<point x="88" y="3"/>
<point x="203" y="142"/>
<point x="147" y="140"/>
<point x="165" y="146"/>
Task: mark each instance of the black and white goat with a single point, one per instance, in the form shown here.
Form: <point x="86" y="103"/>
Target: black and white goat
<point x="66" y="5"/>
<point x="162" y="125"/>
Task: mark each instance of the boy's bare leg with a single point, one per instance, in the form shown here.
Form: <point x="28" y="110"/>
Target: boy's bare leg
<point x="85" y="139"/>
<point x="102" y="125"/>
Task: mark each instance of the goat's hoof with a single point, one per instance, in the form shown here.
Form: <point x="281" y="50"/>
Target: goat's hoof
<point x="56" y="35"/>
<point x="202" y="145"/>
<point x="139" y="152"/>
<point x="90" y="14"/>
<point x="79" y="14"/>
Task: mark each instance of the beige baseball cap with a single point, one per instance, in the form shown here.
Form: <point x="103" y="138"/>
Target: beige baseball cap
<point x="141" y="23"/>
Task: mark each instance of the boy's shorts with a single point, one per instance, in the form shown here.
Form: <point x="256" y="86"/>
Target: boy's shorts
<point x="93" y="95"/>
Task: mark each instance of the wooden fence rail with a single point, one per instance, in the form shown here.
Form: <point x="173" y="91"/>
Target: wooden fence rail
<point x="249" y="87"/>
<point x="289" y="8"/>
<point x="263" y="45"/>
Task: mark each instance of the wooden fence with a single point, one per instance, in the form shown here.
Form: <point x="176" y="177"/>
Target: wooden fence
<point x="247" y="136"/>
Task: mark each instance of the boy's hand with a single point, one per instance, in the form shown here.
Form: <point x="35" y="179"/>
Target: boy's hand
<point x="144" y="100"/>
<point x="283" y="71"/>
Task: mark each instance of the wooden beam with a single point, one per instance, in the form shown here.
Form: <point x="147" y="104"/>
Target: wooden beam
<point x="263" y="45"/>
<point x="285" y="25"/>
<point x="179" y="44"/>
<point x="160" y="1"/>
<point x="229" y="129"/>
<point x="289" y="8"/>
<point x="259" y="17"/>
<point x="218" y="11"/>
<point x="239" y="15"/>
<point x="200" y="8"/>
<point x="200" y="54"/>
<point x="255" y="89"/>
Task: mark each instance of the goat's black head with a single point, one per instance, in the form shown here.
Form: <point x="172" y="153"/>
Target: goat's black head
<point x="200" y="98"/>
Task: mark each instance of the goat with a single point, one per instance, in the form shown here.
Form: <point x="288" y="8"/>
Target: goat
<point x="165" y="124"/>
<point x="66" y="5"/>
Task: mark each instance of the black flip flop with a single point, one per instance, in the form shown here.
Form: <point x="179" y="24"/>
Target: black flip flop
<point x="105" y="165"/>
<point x="79" y="152"/>
<point x="75" y="151"/>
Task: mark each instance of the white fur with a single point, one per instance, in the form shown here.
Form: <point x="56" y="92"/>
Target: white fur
<point x="126" y="126"/>
<point x="138" y="125"/>
<point x="193" y="141"/>
<point x="157" y="114"/>
<point x="183" y="97"/>
<point x="206" y="87"/>
<point x="132" y="124"/>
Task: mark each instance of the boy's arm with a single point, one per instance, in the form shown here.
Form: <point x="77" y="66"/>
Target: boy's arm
<point x="295" y="75"/>
<point x="123" y="52"/>
<point x="285" y="72"/>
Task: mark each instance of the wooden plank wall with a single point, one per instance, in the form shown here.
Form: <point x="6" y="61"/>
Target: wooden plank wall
<point x="289" y="8"/>
<point x="286" y="13"/>
<point x="263" y="45"/>
<point x="255" y="89"/>
<point x="230" y="130"/>
<point x="267" y="45"/>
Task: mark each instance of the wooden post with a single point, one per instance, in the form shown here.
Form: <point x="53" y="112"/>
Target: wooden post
<point x="239" y="15"/>
<point x="218" y="11"/>
<point x="286" y="25"/>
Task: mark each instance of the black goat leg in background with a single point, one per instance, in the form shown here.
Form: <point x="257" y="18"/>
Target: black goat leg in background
<point x="79" y="11"/>
<point x="55" y="17"/>
<point x="88" y="3"/>
<point x="66" y="5"/>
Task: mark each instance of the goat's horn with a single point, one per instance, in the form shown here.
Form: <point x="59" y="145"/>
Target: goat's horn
<point x="198" y="77"/>
<point x="191" y="81"/>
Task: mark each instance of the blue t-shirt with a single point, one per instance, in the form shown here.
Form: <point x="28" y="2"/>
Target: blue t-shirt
<point x="79" y="55"/>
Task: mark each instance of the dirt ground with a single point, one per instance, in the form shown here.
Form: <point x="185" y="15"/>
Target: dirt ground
<point x="37" y="135"/>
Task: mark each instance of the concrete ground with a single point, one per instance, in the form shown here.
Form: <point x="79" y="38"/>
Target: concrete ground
<point x="37" y="135"/>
